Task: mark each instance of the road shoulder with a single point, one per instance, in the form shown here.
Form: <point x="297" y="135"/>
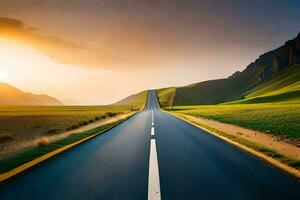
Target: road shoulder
<point x="272" y="156"/>
<point x="28" y="165"/>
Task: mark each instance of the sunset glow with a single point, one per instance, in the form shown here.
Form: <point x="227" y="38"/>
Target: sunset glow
<point x="30" y="70"/>
<point x="132" y="47"/>
<point x="149" y="99"/>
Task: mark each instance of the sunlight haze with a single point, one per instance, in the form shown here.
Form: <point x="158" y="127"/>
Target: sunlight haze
<point x="83" y="53"/>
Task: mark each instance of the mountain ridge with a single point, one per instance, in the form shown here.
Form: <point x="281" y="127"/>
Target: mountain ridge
<point x="10" y="95"/>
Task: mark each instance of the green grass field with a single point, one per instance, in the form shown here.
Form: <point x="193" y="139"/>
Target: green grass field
<point x="278" y="119"/>
<point x="272" y="106"/>
<point x="27" y="122"/>
<point x="20" y="124"/>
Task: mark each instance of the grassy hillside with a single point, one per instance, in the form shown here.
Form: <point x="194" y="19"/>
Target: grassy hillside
<point x="273" y="108"/>
<point x="136" y="100"/>
<point x="211" y="92"/>
<point x="270" y="72"/>
<point x="282" y="88"/>
<point x="290" y="94"/>
<point x="217" y="91"/>
<point x="264" y="97"/>
<point x="283" y="79"/>
<point x="166" y="96"/>
<point x="246" y="88"/>
<point x="278" y="119"/>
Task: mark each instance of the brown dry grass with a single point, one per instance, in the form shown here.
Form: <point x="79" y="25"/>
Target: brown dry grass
<point x="44" y="141"/>
<point x="12" y="147"/>
<point x="5" y="137"/>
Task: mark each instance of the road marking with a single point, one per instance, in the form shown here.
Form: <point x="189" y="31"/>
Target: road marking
<point x="152" y="131"/>
<point x="153" y="181"/>
<point x="152" y="115"/>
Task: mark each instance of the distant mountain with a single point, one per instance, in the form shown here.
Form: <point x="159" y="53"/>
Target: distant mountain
<point x="274" y="66"/>
<point x="10" y="95"/>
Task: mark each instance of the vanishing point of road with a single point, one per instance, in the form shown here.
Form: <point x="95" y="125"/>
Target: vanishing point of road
<point x="153" y="155"/>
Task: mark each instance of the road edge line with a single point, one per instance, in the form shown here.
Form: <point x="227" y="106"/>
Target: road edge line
<point x="269" y="159"/>
<point x="26" y="166"/>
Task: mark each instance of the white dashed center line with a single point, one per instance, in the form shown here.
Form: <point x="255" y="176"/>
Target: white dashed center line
<point x="153" y="180"/>
<point x="152" y="131"/>
<point x="152" y="116"/>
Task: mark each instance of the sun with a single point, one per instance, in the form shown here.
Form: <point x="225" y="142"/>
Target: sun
<point x="3" y="76"/>
<point x="16" y="60"/>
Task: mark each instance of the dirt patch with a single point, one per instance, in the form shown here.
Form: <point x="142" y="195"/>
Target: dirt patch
<point x="282" y="145"/>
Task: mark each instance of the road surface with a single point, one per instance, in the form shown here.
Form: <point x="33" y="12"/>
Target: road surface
<point x="153" y="155"/>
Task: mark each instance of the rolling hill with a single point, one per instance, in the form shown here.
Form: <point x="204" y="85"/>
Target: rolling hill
<point x="272" y="71"/>
<point x="283" y="88"/>
<point x="136" y="100"/>
<point x="166" y="96"/>
<point x="10" y="95"/>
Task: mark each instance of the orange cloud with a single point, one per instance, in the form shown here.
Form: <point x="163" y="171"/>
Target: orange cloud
<point x="62" y="50"/>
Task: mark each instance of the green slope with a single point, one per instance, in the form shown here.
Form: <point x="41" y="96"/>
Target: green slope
<point x="166" y="96"/>
<point x="288" y="77"/>
<point x="284" y="97"/>
<point x="211" y="92"/>
<point x="246" y="88"/>
<point x="283" y="88"/>
<point x="267" y="79"/>
<point x="136" y="100"/>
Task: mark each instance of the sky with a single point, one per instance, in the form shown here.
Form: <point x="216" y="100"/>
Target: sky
<point x="97" y="52"/>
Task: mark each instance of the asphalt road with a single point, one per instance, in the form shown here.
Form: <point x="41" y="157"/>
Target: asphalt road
<point x="153" y="155"/>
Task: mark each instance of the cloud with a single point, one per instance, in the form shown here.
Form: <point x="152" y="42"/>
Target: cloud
<point x="62" y="50"/>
